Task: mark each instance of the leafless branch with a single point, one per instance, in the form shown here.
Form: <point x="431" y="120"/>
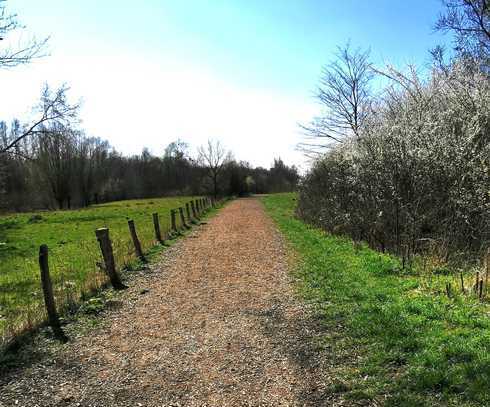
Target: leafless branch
<point x="53" y="107"/>
<point x="11" y="56"/>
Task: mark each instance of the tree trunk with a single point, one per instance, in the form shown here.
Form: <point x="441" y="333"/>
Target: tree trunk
<point x="215" y="182"/>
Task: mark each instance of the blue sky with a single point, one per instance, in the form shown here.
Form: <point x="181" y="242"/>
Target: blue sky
<point x="244" y="72"/>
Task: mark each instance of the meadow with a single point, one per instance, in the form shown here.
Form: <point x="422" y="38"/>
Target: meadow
<point x="394" y="335"/>
<point x="73" y="254"/>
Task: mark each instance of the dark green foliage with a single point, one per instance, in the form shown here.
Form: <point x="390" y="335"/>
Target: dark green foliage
<point x="68" y="170"/>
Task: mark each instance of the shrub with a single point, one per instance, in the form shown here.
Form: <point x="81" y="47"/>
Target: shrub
<point x="419" y="169"/>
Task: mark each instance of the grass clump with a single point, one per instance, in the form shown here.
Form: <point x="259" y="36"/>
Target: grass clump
<point x="406" y="345"/>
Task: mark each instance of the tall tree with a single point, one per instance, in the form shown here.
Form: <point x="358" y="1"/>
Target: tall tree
<point x="176" y="165"/>
<point x="56" y="160"/>
<point x="213" y="156"/>
<point x="344" y="96"/>
<point x="91" y="166"/>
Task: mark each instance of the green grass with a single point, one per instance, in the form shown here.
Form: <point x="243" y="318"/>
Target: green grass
<point x="402" y="344"/>
<point x="73" y="253"/>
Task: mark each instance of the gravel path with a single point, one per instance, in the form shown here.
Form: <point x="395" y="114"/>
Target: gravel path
<point x="214" y="323"/>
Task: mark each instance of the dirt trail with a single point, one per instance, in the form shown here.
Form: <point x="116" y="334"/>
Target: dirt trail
<point x="218" y="326"/>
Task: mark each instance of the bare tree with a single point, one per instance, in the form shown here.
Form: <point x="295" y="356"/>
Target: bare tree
<point x="213" y="157"/>
<point x="90" y="165"/>
<point x="469" y="20"/>
<point x="52" y="108"/>
<point x="56" y="160"/>
<point x="11" y="55"/>
<point x="344" y="96"/>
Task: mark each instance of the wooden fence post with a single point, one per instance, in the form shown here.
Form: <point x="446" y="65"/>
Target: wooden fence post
<point x="182" y="219"/>
<point x="188" y="212"/>
<point x="193" y="208"/>
<point x="173" y="222"/>
<point x="156" y="225"/>
<point x="197" y="207"/>
<point x="136" y="242"/>
<point x="47" y="287"/>
<point x="102" y="235"/>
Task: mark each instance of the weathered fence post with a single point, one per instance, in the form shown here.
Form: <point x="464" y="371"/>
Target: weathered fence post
<point x="197" y="207"/>
<point x="156" y="225"/>
<point x="47" y="287"/>
<point x="173" y="222"/>
<point x="193" y="208"/>
<point x="136" y="242"/>
<point x="188" y="212"/>
<point x="182" y="219"/>
<point x="102" y="235"/>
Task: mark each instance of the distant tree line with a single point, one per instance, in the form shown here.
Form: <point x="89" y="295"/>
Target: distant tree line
<point x="60" y="167"/>
<point x="411" y="164"/>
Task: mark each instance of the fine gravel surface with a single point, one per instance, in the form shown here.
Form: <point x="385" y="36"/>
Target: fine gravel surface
<point x="215" y="322"/>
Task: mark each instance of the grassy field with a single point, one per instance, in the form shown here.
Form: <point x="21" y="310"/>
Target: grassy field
<point x="394" y="339"/>
<point x="73" y="253"/>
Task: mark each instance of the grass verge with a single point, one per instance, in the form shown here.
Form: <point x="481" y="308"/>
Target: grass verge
<point x="401" y="345"/>
<point x="73" y="254"/>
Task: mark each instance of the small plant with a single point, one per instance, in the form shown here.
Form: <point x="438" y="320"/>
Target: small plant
<point x="93" y="306"/>
<point x="35" y="218"/>
<point x="442" y="270"/>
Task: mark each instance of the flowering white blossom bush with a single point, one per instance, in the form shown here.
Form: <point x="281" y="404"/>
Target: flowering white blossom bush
<point x="419" y="168"/>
